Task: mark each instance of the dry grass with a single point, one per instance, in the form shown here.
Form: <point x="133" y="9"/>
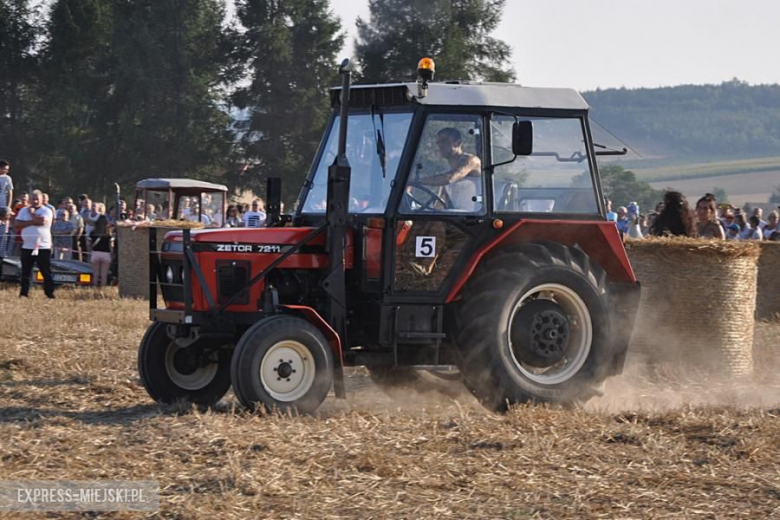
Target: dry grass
<point x="694" y="246"/>
<point x="658" y="444"/>
<point x="179" y="224"/>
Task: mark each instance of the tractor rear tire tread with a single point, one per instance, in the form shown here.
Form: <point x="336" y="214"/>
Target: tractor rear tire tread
<point x="497" y="283"/>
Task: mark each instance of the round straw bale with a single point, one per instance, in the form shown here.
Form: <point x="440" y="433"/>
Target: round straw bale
<point x="698" y="302"/>
<point x="768" y="298"/>
<point x="134" y="254"/>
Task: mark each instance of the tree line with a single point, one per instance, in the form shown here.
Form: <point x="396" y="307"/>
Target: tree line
<point x="730" y="120"/>
<point x="97" y="92"/>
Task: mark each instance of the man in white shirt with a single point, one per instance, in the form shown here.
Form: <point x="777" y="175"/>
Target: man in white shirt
<point x="759" y="213"/>
<point x="34" y="221"/>
<point x="256" y="216"/>
<point x="6" y="185"/>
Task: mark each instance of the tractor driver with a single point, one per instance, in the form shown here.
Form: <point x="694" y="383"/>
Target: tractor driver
<point x="463" y="179"/>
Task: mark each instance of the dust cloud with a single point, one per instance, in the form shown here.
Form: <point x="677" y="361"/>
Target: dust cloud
<point x="667" y="379"/>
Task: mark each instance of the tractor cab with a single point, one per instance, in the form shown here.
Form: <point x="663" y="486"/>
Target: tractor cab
<point x="181" y="199"/>
<point x="447" y="233"/>
<point x="440" y="171"/>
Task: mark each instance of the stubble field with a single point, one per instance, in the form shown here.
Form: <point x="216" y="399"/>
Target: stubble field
<point x="660" y="443"/>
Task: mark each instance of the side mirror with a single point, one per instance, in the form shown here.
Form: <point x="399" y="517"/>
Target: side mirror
<point x="522" y="138"/>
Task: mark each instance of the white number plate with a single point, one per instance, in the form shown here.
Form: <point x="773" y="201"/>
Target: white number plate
<point x="426" y="247"/>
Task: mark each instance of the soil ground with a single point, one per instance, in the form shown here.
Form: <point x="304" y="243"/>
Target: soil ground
<point x="659" y="443"/>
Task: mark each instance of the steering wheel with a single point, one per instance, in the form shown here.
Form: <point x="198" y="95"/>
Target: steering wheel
<point x="426" y="206"/>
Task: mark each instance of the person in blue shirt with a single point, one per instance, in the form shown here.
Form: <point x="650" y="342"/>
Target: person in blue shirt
<point x="611" y="215"/>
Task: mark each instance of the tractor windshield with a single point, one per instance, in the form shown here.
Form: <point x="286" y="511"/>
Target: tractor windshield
<point x="373" y="140"/>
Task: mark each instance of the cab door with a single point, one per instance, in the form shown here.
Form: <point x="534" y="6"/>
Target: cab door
<point x="442" y="204"/>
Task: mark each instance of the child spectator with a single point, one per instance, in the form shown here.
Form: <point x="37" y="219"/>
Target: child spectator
<point x="6" y="185"/>
<point x="6" y="233"/>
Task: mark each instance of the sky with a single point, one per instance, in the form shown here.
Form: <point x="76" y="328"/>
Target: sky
<point x="589" y="44"/>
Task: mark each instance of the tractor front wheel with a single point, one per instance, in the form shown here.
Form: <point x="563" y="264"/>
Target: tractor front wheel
<point x="535" y="327"/>
<point x="197" y="373"/>
<point x="282" y="363"/>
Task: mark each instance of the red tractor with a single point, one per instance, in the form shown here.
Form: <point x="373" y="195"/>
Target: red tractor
<point x="445" y="231"/>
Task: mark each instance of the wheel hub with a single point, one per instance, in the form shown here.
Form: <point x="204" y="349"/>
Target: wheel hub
<point x="185" y="361"/>
<point x="287" y="371"/>
<point x="540" y="333"/>
<point x="189" y="368"/>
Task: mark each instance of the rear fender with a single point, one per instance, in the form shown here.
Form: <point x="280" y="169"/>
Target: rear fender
<point x="600" y="240"/>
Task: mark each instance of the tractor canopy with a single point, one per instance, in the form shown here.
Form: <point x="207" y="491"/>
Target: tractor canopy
<point x="400" y="148"/>
<point x="181" y="199"/>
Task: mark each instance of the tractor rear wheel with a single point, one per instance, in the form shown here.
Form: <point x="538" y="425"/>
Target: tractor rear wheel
<point x="398" y="382"/>
<point x="535" y="327"/>
<point x="197" y="373"/>
<point x="282" y="363"/>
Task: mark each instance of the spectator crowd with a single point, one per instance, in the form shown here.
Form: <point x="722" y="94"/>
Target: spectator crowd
<point x="82" y="229"/>
<point x="36" y="231"/>
<point x="674" y="217"/>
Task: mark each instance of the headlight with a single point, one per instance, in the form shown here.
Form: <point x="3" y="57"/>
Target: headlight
<point x="169" y="274"/>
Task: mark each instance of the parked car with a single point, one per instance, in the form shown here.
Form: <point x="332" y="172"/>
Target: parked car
<point x="65" y="272"/>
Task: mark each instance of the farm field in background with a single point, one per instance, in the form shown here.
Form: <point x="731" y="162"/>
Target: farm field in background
<point x="657" y="444"/>
<point x="696" y="169"/>
<point x="740" y="187"/>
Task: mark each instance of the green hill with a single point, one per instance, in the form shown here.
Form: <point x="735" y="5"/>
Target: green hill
<point x="690" y="123"/>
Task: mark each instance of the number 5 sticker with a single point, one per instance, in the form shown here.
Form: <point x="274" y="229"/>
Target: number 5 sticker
<point x="426" y="247"/>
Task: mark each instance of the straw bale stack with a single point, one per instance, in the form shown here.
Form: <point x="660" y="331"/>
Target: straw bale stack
<point x="134" y="253"/>
<point x="768" y="298"/>
<point x="698" y="303"/>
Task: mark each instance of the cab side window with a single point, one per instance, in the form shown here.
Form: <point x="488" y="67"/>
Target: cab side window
<point x="447" y="175"/>
<point x="556" y="178"/>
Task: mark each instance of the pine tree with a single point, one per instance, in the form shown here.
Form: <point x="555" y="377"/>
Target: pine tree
<point x="165" y="111"/>
<point x="455" y="33"/>
<point x="19" y="33"/>
<point x="75" y="84"/>
<point x="290" y="48"/>
<point x="133" y="89"/>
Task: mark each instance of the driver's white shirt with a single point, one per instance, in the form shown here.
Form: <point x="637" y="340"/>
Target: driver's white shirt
<point x="463" y="194"/>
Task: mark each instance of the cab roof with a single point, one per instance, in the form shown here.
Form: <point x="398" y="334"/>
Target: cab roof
<point x="465" y="94"/>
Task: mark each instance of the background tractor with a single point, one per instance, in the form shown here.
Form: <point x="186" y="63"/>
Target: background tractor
<point x="446" y="232"/>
